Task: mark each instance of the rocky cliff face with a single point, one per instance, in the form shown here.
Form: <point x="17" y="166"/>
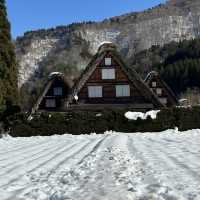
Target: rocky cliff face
<point x="64" y="48"/>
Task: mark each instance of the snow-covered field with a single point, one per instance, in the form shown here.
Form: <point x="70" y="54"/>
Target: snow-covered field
<point x="101" y="167"/>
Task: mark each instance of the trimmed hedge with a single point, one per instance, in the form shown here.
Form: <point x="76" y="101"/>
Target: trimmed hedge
<point x="85" y="122"/>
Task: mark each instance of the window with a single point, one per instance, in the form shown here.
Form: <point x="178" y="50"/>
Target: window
<point x="154" y="84"/>
<point x="122" y="90"/>
<point x="108" y="73"/>
<point x="163" y="100"/>
<point x="94" y="91"/>
<point x="108" y="61"/>
<point x="57" y="91"/>
<point x="50" y="103"/>
<point x="159" y="91"/>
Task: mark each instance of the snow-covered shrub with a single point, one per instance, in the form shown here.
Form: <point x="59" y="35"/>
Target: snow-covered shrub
<point x="86" y="122"/>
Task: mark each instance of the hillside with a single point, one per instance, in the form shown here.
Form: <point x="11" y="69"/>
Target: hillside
<point x="112" y="166"/>
<point x="178" y="63"/>
<point x="69" y="48"/>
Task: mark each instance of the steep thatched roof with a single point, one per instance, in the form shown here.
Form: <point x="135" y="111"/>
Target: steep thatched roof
<point x="131" y="73"/>
<point x="52" y="77"/>
<point x="154" y="74"/>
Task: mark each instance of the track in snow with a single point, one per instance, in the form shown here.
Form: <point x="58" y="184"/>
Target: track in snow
<point x="101" y="167"/>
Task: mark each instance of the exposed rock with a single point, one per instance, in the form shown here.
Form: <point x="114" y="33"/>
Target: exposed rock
<point x="29" y="62"/>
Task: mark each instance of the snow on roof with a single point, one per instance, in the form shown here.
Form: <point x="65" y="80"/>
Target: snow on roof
<point x="30" y="118"/>
<point x="106" y="42"/>
<point x="182" y="100"/>
<point x="106" y="45"/>
<point x="54" y="74"/>
<point x="143" y="116"/>
<point x="76" y="97"/>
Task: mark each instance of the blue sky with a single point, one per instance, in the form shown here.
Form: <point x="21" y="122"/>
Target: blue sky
<point x="26" y="15"/>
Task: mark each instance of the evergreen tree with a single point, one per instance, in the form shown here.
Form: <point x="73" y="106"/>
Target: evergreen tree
<point x="8" y="66"/>
<point x="177" y="62"/>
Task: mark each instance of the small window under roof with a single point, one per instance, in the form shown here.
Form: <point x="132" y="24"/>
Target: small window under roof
<point x="57" y="91"/>
<point x="108" y="61"/>
<point x="154" y="84"/>
<point x="108" y="74"/>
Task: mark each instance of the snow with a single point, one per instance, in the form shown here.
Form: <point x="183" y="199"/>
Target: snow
<point x="135" y="115"/>
<point x="54" y="74"/>
<point x="183" y="100"/>
<point x="76" y="97"/>
<point x="105" y="42"/>
<point x="30" y="118"/>
<point x="98" y="115"/>
<point x="151" y="166"/>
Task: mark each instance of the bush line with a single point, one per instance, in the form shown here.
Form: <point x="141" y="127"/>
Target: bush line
<point x="86" y="122"/>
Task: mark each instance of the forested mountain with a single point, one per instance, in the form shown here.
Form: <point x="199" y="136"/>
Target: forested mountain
<point x="8" y="69"/>
<point x="178" y="63"/>
<point x="69" y="48"/>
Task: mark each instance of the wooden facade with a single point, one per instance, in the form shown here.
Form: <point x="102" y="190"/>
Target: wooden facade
<point x="109" y="86"/>
<point x="55" y="94"/>
<point x="113" y="83"/>
<point x="58" y="97"/>
<point x="161" y="89"/>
